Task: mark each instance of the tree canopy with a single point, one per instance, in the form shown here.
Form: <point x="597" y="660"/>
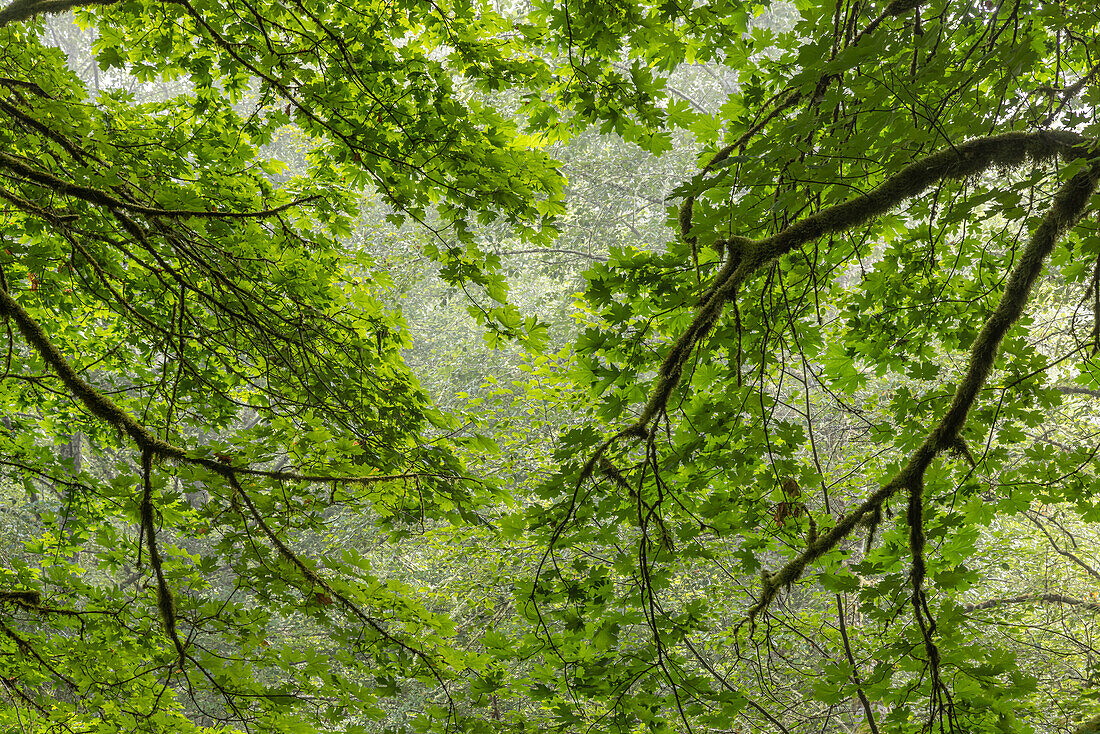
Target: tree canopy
<point x="824" y="459"/>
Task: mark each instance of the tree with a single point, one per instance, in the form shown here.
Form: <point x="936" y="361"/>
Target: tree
<point x="186" y="303"/>
<point x="817" y="402"/>
<point x="813" y="414"/>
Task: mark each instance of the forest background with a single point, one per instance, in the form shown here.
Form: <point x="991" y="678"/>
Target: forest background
<point x="585" y="366"/>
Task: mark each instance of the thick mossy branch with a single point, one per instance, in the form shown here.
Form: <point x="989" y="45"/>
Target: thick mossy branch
<point x="105" y="409"/>
<point x="26" y="598"/>
<point x="77" y="152"/>
<point x="746" y="257"/>
<point x="1069" y="206"/>
<point x="750" y="256"/>
<point x="166" y="601"/>
<point x="152" y="448"/>
<point x="974" y="157"/>
<point x="917" y="574"/>
<point x="100" y="405"/>
<point x="26" y="9"/>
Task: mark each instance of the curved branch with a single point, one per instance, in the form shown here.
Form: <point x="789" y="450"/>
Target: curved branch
<point x="1070" y="204"/>
<point x="153" y="447"/>
<point x="687" y="208"/>
<point x="26" y="9"/>
<point x="27" y="649"/>
<point x="747" y="256"/>
<point x="1033" y="599"/>
<point x="102" y="198"/>
<point x="105" y="409"/>
<point x="784" y="100"/>
<point x="311" y="576"/>
<point x="96" y="402"/>
<point x="1062" y="551"/>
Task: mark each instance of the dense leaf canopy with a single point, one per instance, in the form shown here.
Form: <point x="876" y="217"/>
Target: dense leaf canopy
<point x="824" y="459"/>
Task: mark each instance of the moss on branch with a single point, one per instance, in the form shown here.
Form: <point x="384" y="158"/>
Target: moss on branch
<point x="1070" y="204"/>
<point x="166" y="600"/>
<point x="20" y="10"/>
<point x="967" y="159"/>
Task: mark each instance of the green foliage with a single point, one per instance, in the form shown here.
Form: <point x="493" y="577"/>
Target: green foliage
<point x="187" y="309"/>
<point x="823" y="394"/>
<point x="768" y="488"/>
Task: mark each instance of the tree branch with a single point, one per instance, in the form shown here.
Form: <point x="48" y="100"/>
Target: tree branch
<point x="24" y="9"/>
<point x="747" y="256"/>
<point x="108" y="411"/>
<point x="1071" y="93"/>
<point x="1069" y="206"/>
<point x="1062" y="551"/>
<point x="102" y="198"/>
<point x="867" y="711"/>
<point x="311" y="576"/>
<point x="552" y="251"/>
<point x="1033" y="598"/>
<point x="166" y="601"/>
<point x="1074" y="390"/>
